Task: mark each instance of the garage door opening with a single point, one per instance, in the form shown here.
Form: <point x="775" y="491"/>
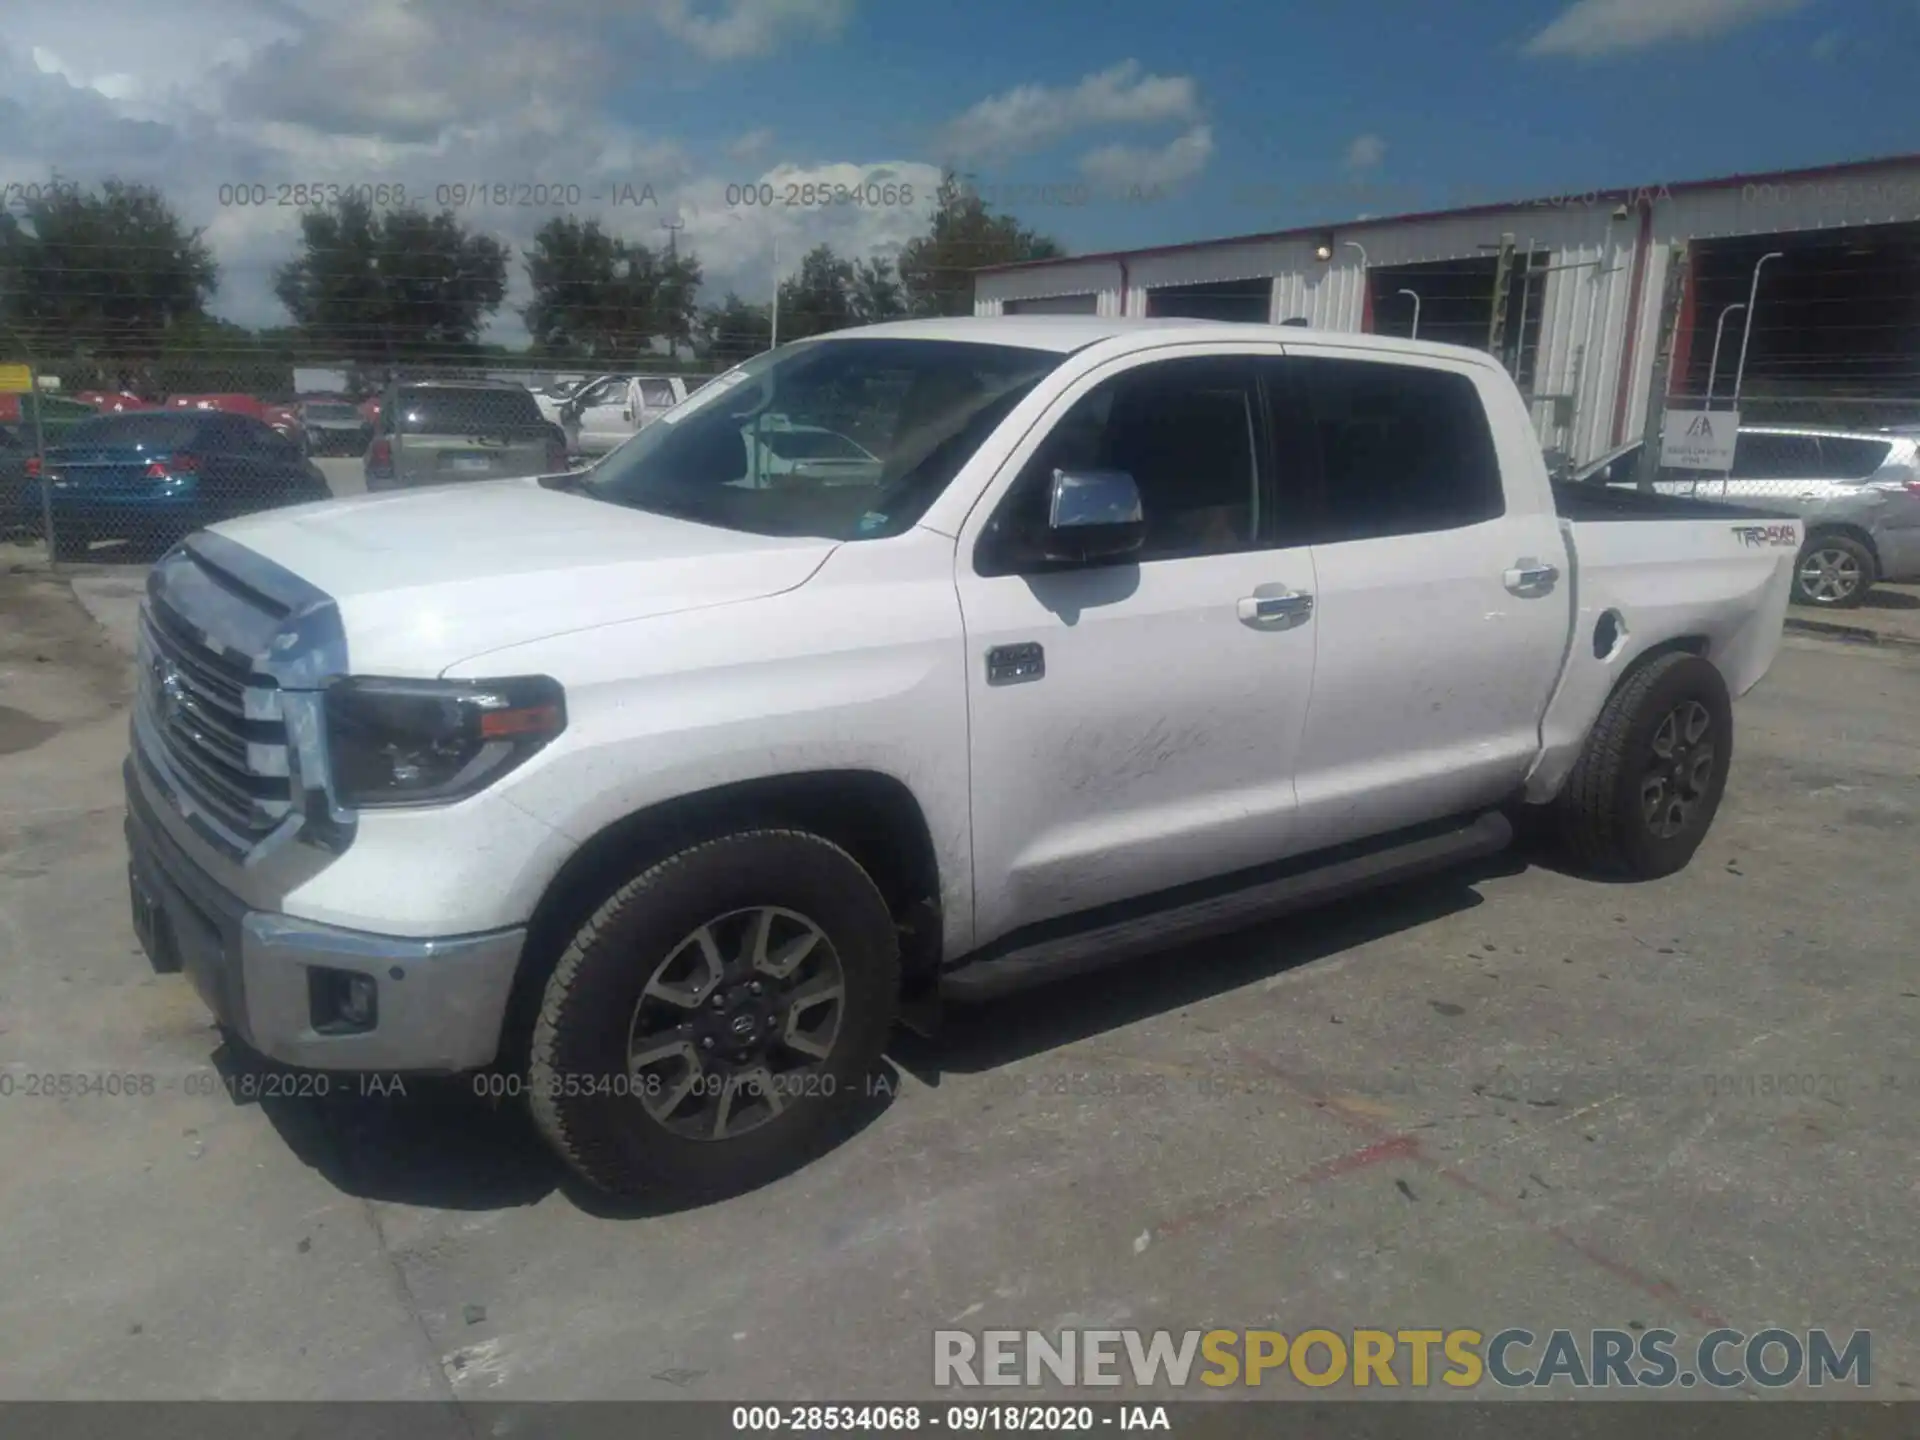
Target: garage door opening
<point x="1456" y="305"/>
<point x="1836" y="325"/>
<point x="1053" y="305"/>
<point x="1247" y="301"/>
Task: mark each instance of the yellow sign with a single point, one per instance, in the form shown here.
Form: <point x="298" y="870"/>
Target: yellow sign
<point x="16" y="380"/>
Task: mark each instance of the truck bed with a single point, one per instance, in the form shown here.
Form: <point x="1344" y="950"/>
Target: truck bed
<point x="1577" y="501"/>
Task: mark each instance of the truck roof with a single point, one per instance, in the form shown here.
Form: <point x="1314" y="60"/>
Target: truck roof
<point x="1065" y="333"/>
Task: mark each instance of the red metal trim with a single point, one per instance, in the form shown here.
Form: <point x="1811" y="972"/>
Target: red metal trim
<point x="1636" y="290"/>
<point x="1632" y="194"/>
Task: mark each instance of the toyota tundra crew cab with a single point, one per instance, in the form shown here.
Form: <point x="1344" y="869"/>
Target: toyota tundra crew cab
<point x="662" y="789"/>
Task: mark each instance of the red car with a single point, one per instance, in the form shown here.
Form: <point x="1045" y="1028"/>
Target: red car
<point x="113" y="402"/>
<point x="284" y="418"/>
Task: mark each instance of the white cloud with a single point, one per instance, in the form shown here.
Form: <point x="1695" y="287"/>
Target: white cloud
<point x="1365" y="152"/>
<point x="1031" y="117"/>
<point x="1120" y="168"/>
<point x="750" y="146"/>
<point x="1592" y="28"/>
<point x="425" y="94"/>
<point x="747" y="28"/>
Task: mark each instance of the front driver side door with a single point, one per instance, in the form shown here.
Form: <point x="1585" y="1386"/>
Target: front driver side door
<point x="1133" y="724"/>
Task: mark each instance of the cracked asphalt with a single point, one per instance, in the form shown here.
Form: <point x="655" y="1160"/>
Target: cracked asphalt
<point x="1508" y="1097"/>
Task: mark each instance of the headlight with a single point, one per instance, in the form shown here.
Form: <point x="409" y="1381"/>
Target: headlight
<point x="431" y="742"/>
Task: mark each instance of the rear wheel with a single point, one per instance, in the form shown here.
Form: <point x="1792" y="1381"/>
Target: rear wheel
<point x="1648" y="784"/>
<point x="1834" y="572"/>
<point x="712" y="1026"/>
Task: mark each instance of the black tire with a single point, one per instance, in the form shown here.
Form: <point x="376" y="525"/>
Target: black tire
<point x="1833" y="571"/>
<point x="593" y="1001"/>
<point x="1603" y="808"/>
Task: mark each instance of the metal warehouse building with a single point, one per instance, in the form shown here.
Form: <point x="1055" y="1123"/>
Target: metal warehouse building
<point x="1571" y="292"/>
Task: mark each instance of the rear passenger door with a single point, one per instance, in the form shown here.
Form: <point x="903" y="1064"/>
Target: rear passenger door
<point x="1441" y="612"/>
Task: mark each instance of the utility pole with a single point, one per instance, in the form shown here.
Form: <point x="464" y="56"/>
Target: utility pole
<point x="1669" y="333"/>
<point x="1502" y="281"/>
<point x="673" y="229"/>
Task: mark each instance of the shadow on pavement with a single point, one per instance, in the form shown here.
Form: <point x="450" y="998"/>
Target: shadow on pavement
<point x="445" y="1143"/>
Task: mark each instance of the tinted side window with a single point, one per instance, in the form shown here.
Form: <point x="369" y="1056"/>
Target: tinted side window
<point x="1846" y="459"/>
<point x="1403" y="449"/>
<point x="656" y="394"/>
<point x="1187" y="432"/>
<point x="1760" y="456"/>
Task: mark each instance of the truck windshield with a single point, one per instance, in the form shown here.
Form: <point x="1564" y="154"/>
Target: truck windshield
<point x="731" y="455"/>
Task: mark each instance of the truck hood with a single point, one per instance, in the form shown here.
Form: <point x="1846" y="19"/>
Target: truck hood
<point x="427" y="578"/>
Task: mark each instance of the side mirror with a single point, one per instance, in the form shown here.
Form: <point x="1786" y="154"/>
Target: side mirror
<point x="1094" y="515"/>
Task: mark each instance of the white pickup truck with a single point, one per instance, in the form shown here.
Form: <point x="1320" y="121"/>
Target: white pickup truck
<point x="609" y="412"/>
<point x="656" y="794"/>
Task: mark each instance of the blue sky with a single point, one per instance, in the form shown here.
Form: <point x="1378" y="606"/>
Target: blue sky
<point x="1109" y="125"/>
<point x="1322" y="111"/>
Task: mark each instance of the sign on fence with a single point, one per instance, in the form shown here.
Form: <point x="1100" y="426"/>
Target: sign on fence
<point x="1698" y="439"/>
<point x="16" y="380"/>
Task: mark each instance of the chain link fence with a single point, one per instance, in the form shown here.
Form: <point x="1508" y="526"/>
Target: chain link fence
<point x="114" y="463"/>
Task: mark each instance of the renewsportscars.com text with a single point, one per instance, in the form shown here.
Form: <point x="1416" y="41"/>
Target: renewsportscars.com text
<point x="1513" y="1358"/>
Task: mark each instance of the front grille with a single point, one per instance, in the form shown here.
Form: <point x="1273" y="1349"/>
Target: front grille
<point x="218" y="724"/>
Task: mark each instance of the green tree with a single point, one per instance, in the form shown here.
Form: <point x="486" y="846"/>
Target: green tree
<point x="733" y="330"/>
<point x="937" y="268"/>
<point x="597" y="296"/>
<point x="818" y="297"/>
<point x="104" y="271"/>
<point x="877" y="292"/>
<point x="399" y="284"/>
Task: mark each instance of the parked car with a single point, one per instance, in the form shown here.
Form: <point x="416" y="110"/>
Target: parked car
<point x="612" y="412"/>
<point x="154" y="475"/>
<point x="334" y="426"/>
<point x="114" y="402"/>
<point x="58" y="415"/>
<point x="14" y="455"/>
<point x="553" y="396"/>
<point x="433" y="433"/>
<point x="1857" y="491"/>
<point x="665" y="794"/>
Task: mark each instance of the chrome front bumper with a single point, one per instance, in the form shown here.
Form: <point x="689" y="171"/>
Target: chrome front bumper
<point x="441" y="1002"/>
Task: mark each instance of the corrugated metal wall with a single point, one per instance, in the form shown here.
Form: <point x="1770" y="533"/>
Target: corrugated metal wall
<point x="1586" y="321"/>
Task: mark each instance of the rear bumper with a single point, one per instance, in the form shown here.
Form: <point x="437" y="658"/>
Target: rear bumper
<point x="440" y="1005"/>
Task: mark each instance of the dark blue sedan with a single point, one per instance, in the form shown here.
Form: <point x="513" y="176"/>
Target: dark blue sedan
<point x="152" y="476"/>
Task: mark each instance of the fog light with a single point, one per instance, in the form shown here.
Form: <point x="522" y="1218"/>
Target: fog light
<point x="342" y="1002"/>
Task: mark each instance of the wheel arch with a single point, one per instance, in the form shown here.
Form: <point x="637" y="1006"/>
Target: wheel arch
<point x="1849" y="529"/>
<point x="874" y="817"/>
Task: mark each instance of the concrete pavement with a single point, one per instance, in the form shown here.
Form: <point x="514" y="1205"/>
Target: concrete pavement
<point x="1505" y="1097"/>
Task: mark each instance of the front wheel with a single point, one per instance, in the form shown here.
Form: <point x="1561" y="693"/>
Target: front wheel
<point x="713" y="1026"/>
<point x="1645" y="789"/>
<point x="1834" y="572"/>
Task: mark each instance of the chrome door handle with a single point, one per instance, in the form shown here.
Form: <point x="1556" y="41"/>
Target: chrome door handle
<point x="1276" y="610"/>
<point x="1531" y="577"/>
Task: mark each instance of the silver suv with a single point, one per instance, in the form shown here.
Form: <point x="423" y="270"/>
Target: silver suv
<point x="1857" y="490"/>
<point x="437" y="432"/>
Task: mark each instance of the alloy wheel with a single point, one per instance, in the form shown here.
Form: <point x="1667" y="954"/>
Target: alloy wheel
<point x="736" y="1023"/>
<point x="1679" y="769"/>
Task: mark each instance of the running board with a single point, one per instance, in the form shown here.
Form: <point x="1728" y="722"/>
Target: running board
<point x="1018" y="962"/>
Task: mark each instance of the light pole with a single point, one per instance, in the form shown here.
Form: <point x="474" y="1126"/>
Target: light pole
<point x="1746" y="330"/>
<point x="1415" y="296"/>
<point x="1713" y="368"/>
<point x="773" y="337"/>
